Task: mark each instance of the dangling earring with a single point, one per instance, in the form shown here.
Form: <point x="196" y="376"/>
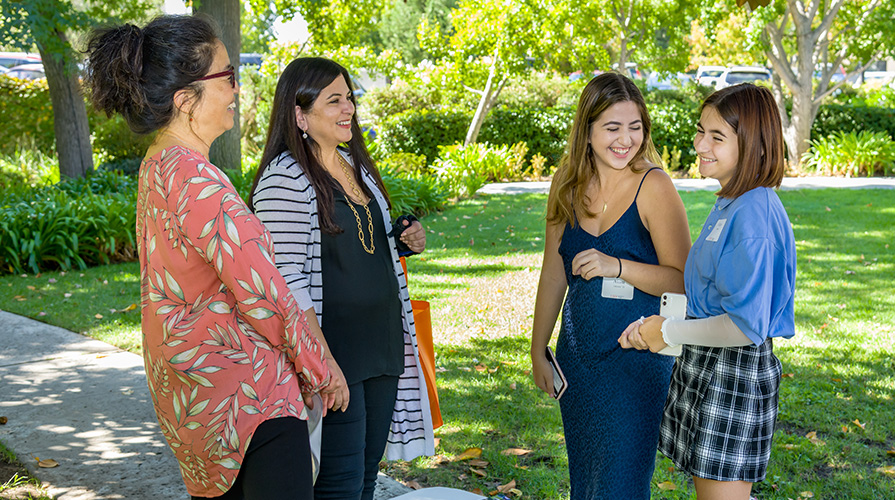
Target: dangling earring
<point x="304" y="134"/>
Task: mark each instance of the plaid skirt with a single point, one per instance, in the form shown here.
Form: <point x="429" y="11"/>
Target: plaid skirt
<point x="720" y="413"/>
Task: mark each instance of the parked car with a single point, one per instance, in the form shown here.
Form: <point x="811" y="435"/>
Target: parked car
<point x="27" y="72"/>
<point x="250" y="59"/>
<point x="741" y="74"/>
<point x="878" y="77"/>
<point x="668" y="82"/>
<point x="708" y="75"/>
<point x="10" y="59"/>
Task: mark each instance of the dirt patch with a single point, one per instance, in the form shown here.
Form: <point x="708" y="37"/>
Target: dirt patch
<point x="23" y="491"/>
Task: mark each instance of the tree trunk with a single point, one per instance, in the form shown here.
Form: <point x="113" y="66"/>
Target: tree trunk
<point x="69" y="111"/>
<point x="489" y="95"/>
<point x="798" y="133"/>
<point x="226" y="150"/>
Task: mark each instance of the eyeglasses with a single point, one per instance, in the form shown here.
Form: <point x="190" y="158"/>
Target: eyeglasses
<point x="230" y="73"/>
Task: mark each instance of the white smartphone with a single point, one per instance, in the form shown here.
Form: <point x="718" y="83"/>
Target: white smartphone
<point x="673" y="306"/>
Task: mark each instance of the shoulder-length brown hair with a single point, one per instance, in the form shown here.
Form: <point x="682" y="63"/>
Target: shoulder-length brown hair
<point x="752" y="112"/>
<point x="568" y="191"/>
<point x="300" y="85"/>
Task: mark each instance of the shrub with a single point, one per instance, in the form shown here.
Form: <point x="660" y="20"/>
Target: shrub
<point x="545" y="131"/>
<point x="72" y="224"/>
<point x="126" y="166"/>
<point x="865" y="95"/>
<point x="458" y="169"/>
<point x="832" y="118"/>
<point x="26" y="115"/>
<point x="27" y="167"/>
<point x="412" y="192"/>
<point x="421" y="132"/>
<point x="114" y="142"/>
<point x="256" y="90"/>
<point x="112" y="139"/>
<point x="851" y="154"/>
<point x="462" y="170"/>
<point x="381" y="103"/>
<point x="404" y="163"/>
<point x="537" y="90"/>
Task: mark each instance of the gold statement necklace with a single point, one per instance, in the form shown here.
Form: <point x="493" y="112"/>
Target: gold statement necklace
<point x="357" y="194"/>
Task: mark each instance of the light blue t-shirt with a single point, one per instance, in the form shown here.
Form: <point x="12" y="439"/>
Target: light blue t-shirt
<point x="744" y="264"/>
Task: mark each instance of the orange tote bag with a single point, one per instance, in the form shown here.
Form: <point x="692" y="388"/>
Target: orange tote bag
<point x="423" y="320"/>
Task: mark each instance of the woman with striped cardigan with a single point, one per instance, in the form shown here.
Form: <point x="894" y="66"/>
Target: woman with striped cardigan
<point x="328" y="212"/>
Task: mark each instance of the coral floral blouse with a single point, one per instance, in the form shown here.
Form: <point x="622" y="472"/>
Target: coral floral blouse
<point x="224" y="343"/>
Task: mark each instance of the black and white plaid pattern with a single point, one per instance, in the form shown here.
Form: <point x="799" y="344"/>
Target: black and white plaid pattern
<point x="721" y="410"/>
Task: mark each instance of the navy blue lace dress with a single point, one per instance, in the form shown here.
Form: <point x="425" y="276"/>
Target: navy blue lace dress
<point x="613" y="406"/>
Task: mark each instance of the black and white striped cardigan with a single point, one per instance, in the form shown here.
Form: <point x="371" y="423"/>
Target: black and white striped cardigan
<point x="286" y="203"/>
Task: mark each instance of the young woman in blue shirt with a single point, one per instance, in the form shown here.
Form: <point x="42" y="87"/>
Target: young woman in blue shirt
<point x="740" y="281"/>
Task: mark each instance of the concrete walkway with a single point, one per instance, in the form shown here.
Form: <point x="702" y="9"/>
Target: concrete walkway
<point x="85" y="404"/>
<point x="789" y="183"/>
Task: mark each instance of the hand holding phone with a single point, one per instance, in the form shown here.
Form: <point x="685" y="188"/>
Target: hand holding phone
<point x="673" y="306"/>
<point x="560" y="384"/>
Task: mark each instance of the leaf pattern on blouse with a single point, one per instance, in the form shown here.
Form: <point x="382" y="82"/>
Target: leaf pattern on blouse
<point x="224" y="343"/>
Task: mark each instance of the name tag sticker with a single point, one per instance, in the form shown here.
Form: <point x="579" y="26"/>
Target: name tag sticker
<point x="617" y="288"/>
<point x="716" y="231"/>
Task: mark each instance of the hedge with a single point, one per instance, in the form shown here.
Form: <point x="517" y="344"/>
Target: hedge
<point x="26" y="113"/>
<point x="833" y="118"/>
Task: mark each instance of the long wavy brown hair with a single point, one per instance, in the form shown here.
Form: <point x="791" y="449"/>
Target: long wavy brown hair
<point x="578" y="168"/>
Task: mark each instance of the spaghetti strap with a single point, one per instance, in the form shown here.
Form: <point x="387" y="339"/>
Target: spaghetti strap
<point x="641" y="182"/>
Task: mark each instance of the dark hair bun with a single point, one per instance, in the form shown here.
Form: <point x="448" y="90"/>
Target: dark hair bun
<point x="135" y="72"/>
<point x="114" y="69"/>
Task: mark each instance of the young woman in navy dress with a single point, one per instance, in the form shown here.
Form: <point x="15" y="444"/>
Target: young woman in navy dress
<point x="740" y="280"/>
<point x="616" y="239"/>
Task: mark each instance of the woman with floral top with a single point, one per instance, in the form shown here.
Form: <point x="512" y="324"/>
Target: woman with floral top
<point x="230" y="361"/>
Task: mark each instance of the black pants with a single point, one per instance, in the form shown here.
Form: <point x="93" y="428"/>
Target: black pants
<point x="277" y="465"/>
<point x="354" y="440"/>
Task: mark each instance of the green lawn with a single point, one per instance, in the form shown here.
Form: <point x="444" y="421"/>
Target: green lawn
<point x="836" y="437"/>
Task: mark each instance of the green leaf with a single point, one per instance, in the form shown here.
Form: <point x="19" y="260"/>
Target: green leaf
<point x="219" y="307"/>
<point x="260" y="313"/>
<point x="209" y="191"/>
<point x="251" y="410"/>
<point x="184" y="356"/>
<point x="198" y="408"/>
<point x="248" y="390"/>
<point x="228" y="463"/>
<point x="173" y="285"/>
<point x="232" y="232"/>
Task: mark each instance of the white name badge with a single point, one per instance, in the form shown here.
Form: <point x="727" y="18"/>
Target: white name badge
<point x="716" y="231"/>
<point x="617" y="288"/>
